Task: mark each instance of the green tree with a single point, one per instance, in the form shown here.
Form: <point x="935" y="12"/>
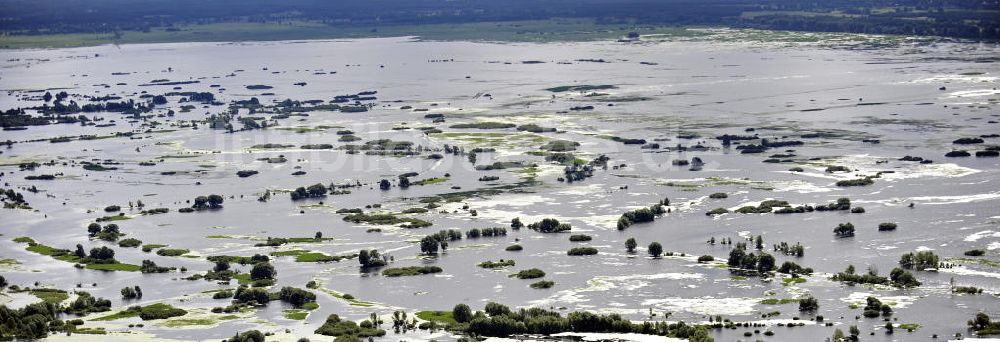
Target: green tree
<point x="461" y="313"/>
<point x="630" y="245"/>
<point x="655" y="249"/>
<point x="429" y="245"/>
<point x="93" y="229"/>
<point x="263" y="270"/>
<point x="765" y="263"/>
<point x="808" y="304"/>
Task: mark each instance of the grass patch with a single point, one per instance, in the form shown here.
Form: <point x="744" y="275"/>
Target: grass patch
<point x="430" y="181"/>
<point x="54" y="296"/>
<point x="350" y="300"/>
<point x="197" y="321"/>
<point x="172" y="252"/>
<point x="296" y="314"/>
<point x="302" y="255"/>
<point x="242" y="278"/>
<point x="778" y="301"/>
<point x="114" y="267"/>
<point x="67" y="256"/>
<point x="437" y="316"/>
<point x="909" y="326"/>
<point x="118" y="315"/>
<point x="792" y="280"/>
<point x="90" y="331"/>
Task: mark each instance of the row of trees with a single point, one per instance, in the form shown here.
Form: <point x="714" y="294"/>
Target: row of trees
<point x="898" y="277"/>
<point x="500" y="321"/>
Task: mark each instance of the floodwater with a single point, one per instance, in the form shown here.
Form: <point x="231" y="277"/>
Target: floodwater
<point x="914" y="97"/>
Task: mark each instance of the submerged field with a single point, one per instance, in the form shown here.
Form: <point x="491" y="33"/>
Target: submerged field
<point x="321" y="151"/>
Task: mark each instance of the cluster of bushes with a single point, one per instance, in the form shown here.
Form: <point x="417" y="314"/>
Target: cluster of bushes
<point x="874" y="308"/>
<point x="808" y="304"/>
<point x="549" y="225"/>
<point x="485" y="232"/>
<point x="33" y="321"/>
<point x="148" y="266"/>
<point x="740" y="259"/>
<point x="640" y="216"/>
<point x="109" y="232"/>
<point x="842" y="203"/>
<point x="371" y="258"/>
<point x="387" y="219"/>
<point x="212" y="201"/>
<point x="502" y="322"/>
<point x="345" y="330"/>
<point x="786" y="249"/>
<point x="856" y="182"/>
<point x="497" y="264"/>
<point x="313" y="191"/>
<point x="531" y="273"/>
<point x="920" y="261"/>
<point x="130" y="243"/>
<point x="983" y="326"/>
<point x="582" y="251"/>
<point x="542" y="284"/>
<point x="296" y="296"/>
<point x="246" y="173"/>
<point x="247" y="336"/>
<point x="789" y="267"/>
<point x="763" y="208"/>
<point x="86" y="303"/>
<point x="134" y="292"/>
<point x="431" y="243"/>
<point x="580" y="238"/>
<point x="897" y="277"/>
<point x="975" y="252"/>
<point x="411" y="271"/>
<point x="886" y="226"/>
<point x="844" y="230"/>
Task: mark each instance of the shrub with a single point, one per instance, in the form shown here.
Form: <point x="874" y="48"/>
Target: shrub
<point x="717" y="211"/>
<point x="530" y="273"/>
<point x="542" y="284"/>
<point x="856" y="182"/>
<point x="411" y="271"/>
<point x="808" y="304"/>
<point x="706" y="258"/>
<point x="975" y="252"/>
<point x="582" y="251"/>
<point x="549" y="225"/>
<point x="885" y="226"/>
<point x="130" y="242"/>
<point x="160" y="311"/>
<point x="496" y="264"/>
<point x="844" y="230"/>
